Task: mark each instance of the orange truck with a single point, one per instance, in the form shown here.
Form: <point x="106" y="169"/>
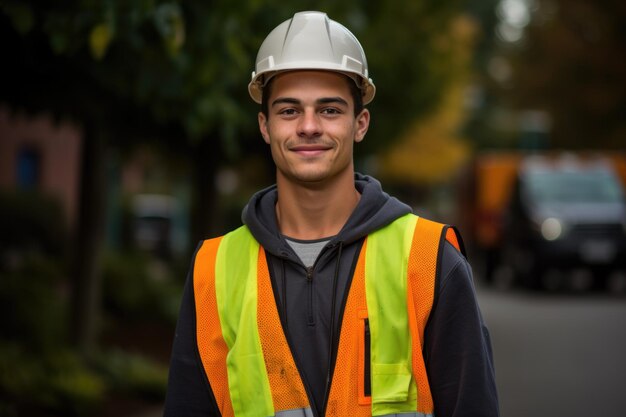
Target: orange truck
<point x="497" y="217"/>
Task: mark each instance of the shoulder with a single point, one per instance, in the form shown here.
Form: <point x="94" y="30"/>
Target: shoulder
<point x="239" y="235"/>
<point x="453" y="266"/>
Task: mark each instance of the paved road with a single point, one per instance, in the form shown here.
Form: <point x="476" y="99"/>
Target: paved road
<point x="558" y="355"/>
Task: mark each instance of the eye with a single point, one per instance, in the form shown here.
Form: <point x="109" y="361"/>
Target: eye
<point x="331" y="110"/>
<point x="290" y="111"/>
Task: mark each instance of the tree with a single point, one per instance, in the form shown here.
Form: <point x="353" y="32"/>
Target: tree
<point x="431" y="150"/>
<point x="569" y="64"/>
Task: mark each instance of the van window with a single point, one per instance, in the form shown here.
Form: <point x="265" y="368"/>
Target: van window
<point x="573" y="186"/>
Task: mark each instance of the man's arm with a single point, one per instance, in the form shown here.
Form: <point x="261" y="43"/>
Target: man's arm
<point x="188" y="391"/>
<point x="457" y="348"/>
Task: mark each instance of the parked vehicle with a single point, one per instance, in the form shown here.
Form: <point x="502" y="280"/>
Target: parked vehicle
<point x="545" y="220"/>
<point x="566" y="220"/>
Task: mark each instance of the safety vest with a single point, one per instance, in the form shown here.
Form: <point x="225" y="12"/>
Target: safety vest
<point x="379" y="368"/>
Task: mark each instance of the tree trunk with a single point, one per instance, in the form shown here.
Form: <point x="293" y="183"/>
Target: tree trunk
<point x="86" y="263"/>
<point x="205" y="222"/>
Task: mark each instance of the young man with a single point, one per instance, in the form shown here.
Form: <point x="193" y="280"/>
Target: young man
<point x="333" y="299"/>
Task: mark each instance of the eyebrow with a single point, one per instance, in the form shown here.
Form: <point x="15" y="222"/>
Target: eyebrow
<point x="323" y="100"/>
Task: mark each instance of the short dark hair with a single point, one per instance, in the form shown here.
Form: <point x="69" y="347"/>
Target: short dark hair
<point x="355" y="92"/>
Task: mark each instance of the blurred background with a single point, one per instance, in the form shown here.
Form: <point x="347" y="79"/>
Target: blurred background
<point x="127" y="135"/>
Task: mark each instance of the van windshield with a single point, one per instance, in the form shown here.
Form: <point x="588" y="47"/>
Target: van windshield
<point x="573" y="187"/>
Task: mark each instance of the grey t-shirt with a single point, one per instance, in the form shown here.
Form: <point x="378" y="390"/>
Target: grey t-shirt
<point x="307" y="250"/>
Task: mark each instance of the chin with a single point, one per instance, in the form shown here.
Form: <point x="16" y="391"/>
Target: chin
<point x="313" y="175"/>
<point x="313" y="179"/>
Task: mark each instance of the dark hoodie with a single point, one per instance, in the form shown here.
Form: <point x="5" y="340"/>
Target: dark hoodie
<point x="311" y="302"/>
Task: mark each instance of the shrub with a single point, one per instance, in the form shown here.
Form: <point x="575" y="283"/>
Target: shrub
<point x="32" y="304"/>
<point x="59" y="382"/>
<point x="32" y="222"/>
<point x="133" y="374"/>
<point x="135" y="286"/>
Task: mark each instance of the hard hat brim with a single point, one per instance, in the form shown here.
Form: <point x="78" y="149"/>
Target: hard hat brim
<point x="259" y="81"/>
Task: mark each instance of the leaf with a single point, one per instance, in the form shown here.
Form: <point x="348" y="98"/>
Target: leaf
<point x="99" y="40"/>
<point x="21" y="15"/>
<point x="170" y="24"/>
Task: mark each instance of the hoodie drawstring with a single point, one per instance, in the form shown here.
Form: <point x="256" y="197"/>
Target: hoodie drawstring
<point x="331" y="338"/>
<point x="284" y="298"/>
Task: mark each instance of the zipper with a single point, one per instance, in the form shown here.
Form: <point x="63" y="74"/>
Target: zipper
<point x="367" y="380"/>
<point x="309" y="282"/>
<point x="303" y="376"/>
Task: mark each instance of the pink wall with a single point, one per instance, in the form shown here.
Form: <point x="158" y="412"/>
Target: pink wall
<point x="58" y="144"/>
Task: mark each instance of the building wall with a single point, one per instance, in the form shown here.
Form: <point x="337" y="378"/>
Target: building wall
<point x="57" y="146"/>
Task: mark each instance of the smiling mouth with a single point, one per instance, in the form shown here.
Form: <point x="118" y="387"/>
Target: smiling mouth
<point x="309" y="151"/>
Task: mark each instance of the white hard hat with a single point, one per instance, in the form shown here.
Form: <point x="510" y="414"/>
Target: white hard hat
<point x="310" y="40"/>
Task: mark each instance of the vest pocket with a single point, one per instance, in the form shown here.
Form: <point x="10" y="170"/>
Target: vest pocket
<point x="392" y="382"/>
<point x="364" y="361"/>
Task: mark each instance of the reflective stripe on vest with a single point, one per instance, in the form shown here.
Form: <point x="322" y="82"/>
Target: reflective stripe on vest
<point x="299" y="412"/>
<point x="249" y="362"/>
<point x="236" y="290"/>
<point x="386" y="262"/>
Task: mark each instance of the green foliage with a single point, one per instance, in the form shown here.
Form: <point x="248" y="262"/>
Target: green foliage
<point x="32" y="305"/>
<point x="38" y="371"/>
<point x="137" y="287"/>
<point x="57" y="382"/>
<point x="31" y="222"/>
<point x="32" y="248"/>
<point x="411" y="60"/>
<point x="128" y="373"/>
<point x="63" y="383"/>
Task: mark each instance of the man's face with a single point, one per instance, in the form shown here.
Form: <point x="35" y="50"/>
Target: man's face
<point x="311" y="126"/>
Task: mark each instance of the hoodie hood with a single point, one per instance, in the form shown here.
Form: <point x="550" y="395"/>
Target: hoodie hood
<point x="375" y="209"/>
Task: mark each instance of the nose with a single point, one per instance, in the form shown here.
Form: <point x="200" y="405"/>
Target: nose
<point x="309" y="125"/>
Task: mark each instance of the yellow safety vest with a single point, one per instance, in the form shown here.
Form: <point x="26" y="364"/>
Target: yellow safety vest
<point x="243" y="346"/>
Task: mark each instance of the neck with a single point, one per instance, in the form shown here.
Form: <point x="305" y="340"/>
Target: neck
<point x="310" y="212"/>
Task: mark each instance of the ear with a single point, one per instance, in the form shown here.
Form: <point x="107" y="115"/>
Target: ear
<point x="362" y="123"/>
<point x="263" y="127"/>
